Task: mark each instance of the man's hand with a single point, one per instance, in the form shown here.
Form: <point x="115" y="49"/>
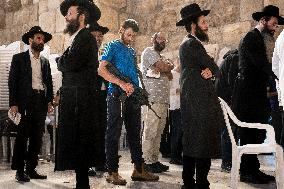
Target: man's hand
<point x="127" y="87"/>
<point x="56" y="100"/>
<point x="206" y="74"/>
<point x="14" y="110"/>
<point x="169" y="75"/>
<point x="50" y="108"/>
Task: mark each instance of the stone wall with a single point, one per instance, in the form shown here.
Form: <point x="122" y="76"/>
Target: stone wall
<point x="229" y="20"/>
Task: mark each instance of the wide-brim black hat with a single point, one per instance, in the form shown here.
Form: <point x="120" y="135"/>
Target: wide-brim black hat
<point x="94" y="11"/>
<point x="269" y="10"/>
<point x="97" y="27"/>
<point x="190" y="12"/>
<point x="34" y="30"/>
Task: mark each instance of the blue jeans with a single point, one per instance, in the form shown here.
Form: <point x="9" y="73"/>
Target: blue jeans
<point x="226" y="144"/>
<point x="132" y="121"/>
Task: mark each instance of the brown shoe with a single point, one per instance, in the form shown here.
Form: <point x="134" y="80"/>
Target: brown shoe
<point x="144" y="175"/>
<point x="115" y="179"/>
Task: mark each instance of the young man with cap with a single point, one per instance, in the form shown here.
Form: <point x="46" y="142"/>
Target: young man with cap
<point x="249" y="100"/>
<point x="201" y="114"/>
<point x="120" y="54"/>
<point x="30" y="94"/>
<point x="98" y="33"/>
<point x="77" y="125"/>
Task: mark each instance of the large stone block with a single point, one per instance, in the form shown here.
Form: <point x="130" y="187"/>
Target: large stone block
<point x="60" y="21"/>
<point x="26" y="2"/>
<point x="2" y="20"/>
<point x="47" y="21"/>
<point x="110" y="17"/>
<point x="215" y="34"/>
<point x="247" y="7"/>
<point x="53" y="4"/>
<point x="57" y="43"/>
<point x="175" y="40"/>
<point x="232" y="33"/>
<point x="20" y="17"/>
<point x="163" y="21"/>
<point x="33" y="11"/>
<point x="12" y="5"/>
<point x="222" y="12"/>
<point x="116" y="4"/>
<point x="9" y="19"/>
<point x="42" y="6"/>
<point x="141" y="42"/>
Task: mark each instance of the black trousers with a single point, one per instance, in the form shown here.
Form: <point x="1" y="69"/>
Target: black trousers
<point x="82" y="178"/>
<point x="198" y="166"/>
<point x="30" y="129"/>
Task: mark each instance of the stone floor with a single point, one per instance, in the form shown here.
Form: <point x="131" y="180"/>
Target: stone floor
<point x="169" y="180"/>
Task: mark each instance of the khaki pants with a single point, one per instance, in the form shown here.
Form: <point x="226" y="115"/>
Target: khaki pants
<point x="153" y="129"/>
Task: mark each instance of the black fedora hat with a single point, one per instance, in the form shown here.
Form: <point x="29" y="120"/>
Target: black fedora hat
<point x="34" y="30"/>
<point x="269" y="10"/>
<point x="96" y="27"/>
<point x="94" y="11"/>
<point x="190" y="12"/>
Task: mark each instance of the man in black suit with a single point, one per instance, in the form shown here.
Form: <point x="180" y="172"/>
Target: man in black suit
<point x="249" y="100"/>
<point x="98" y="33"/>
<point x="77" y="136"/>
<point x="30" y="94"/>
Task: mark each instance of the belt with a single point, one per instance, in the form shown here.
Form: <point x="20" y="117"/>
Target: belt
<point x="38" y="91"/>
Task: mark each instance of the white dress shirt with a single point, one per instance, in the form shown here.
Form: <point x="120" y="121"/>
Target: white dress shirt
<point x="36" y="72"/>
<point x="278" y="63"/>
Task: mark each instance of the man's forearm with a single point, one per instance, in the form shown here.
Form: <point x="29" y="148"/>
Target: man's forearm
<point x="103" y="72"/>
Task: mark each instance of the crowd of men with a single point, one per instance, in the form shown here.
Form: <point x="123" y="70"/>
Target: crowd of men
<point x="94" y="102"/>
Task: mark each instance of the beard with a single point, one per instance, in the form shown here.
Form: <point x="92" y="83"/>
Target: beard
<point x="159" y="46"/>
<point x="201" y="35"/>
<point x="72" y="26"/>
<point x="124" y="40"/>
<point x="268" y="31"/>
<point x="37" y="47"/>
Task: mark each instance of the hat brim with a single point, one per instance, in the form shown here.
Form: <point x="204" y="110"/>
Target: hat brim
<point x="189" y="18"/>
<point x="102" y="29"/>
<point x="26" y="36"/>
<point x="94" y="11"/>
<point x="258" y="15"/>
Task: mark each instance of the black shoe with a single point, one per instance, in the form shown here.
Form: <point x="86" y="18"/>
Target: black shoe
<point x="153" y="168"/>
<point x="176" y="161"/>
<point x="252" y="178"/>
<point x="21" y="176"/>
<point x="264" y="176"/>
<point x="226" y="167"/>
<point x="163" y="167"/>
<point x="35" y="175"/>
<point x="92" y="172"/>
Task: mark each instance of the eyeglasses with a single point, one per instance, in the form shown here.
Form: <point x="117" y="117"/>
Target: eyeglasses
<point x="70" y="13"/>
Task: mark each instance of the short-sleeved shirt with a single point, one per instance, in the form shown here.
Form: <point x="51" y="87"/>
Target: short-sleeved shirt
<point x="123" y="58"/>
<point x="158" y="88"/>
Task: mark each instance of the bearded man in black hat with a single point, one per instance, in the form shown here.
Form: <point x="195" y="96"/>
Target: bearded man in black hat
<point x="98" y="33"/>
<point x="249" y="100"/>
<point x="30" y="94"/>
<point x="77" y="127"/>
<point x="201" y="114"/>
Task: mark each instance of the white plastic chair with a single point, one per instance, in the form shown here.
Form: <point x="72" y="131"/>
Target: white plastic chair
<point x="270" y="146"/>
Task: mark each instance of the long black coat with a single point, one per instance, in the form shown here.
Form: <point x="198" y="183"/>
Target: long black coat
<point x="77" y="129"/>
<point x="20" y="81"/>
<point x="201" y="113"/>
<point x="249" y="101"/>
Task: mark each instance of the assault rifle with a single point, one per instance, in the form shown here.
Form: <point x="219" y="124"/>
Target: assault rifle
<point x="139" y="96"/>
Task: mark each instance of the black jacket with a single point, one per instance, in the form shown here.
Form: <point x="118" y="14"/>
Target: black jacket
<point x="20" y="80"/>
<point x="225" y="78"/>
<point x="249" y="101"/>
